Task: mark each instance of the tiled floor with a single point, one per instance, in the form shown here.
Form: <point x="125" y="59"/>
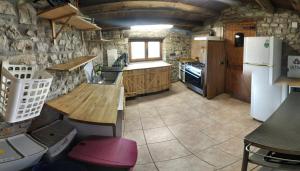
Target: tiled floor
<point x="181" y="130"/>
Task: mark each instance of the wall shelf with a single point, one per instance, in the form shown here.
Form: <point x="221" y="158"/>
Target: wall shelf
<point x="72" y="64"/>
<point x="67" y="15"/>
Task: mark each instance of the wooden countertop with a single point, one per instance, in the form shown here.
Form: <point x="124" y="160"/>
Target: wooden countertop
<point x="288" y="81"/>
<point x="146" y="65"/>
<point x="280" y="133"/>
<point x="90" y="103"/>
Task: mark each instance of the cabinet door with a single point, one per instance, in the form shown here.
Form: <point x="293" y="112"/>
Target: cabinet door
<point x="134" y="82"/>
<point x="215" y="69"/>
<point x="157" y="79"/>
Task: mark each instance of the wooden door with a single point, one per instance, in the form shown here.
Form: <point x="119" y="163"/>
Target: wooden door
<point x="215" y="68"/>
<point x="238" y="84"/>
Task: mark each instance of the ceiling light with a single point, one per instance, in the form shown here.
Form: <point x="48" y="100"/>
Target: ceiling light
<point x="151" y="27"/>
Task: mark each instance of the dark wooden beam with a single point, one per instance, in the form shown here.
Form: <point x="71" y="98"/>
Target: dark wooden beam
<point x="266" y="5"/>
<point x="129" y="21"/>
<point x="130" y="5"/>
<point x="230" y="2"/>
<point x="295" y="4"/>
<point x="172" y="14"/>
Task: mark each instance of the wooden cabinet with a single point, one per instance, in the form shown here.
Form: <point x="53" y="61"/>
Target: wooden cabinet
<point x="134" y="82"/>
<point x="143" y="81"/>
<point x="157" y="79"/>
<point x="212" y="54"/>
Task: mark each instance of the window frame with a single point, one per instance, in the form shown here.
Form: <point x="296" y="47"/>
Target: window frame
<point x="146" y="40"/>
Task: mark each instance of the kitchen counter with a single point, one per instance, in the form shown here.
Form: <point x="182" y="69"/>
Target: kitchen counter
<point x="284" y="80"/>
<point x="146" y="65"/>
<point x="146" y="77"/>
<point x="91" y="103"/>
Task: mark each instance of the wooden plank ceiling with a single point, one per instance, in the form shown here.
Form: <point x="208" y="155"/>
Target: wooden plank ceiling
<point x="181" y="13"/>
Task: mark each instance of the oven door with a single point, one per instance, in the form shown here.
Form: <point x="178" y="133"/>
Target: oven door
<point x="193" y="79"/>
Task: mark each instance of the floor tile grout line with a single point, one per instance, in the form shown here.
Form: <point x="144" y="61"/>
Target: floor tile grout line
<point x="147" y="143"/>
<point x="167" y="126"/>
<point x="183" y="144"/>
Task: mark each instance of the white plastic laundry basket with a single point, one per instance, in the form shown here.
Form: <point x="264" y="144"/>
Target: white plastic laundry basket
<point x="23" y="91"/>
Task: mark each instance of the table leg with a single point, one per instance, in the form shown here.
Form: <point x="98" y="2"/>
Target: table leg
<point x="245" y="158"/>
<point x="114" y="130"/>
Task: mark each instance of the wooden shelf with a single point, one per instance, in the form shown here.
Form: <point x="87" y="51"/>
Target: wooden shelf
<point x="67" y="15"/>
<point x="72" y="64"/>
<point x="59" y="12"/>
<point x="79" y="23"/>
<point x="62" y="14"/>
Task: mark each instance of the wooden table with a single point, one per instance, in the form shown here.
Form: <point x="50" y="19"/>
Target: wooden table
<point x="280" y="133"/>
<point x="90" y="103"/>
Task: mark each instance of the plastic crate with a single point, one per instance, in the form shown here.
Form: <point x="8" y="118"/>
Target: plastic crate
<point x="23" y="91"/>
<point x="20" y="152"/>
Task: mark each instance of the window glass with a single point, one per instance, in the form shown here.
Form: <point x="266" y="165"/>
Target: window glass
<point x="138" y="50"/>
<point x="153" y="49"/>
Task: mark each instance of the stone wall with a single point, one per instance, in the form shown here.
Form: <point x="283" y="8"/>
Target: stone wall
<point x="25" y="38"/>
<point x="176" y="43"/>
<point x="278" y="24"/>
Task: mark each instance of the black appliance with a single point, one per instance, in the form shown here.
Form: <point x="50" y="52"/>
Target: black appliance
<point x="195" y="77"/>
<point x="239" y="40"/>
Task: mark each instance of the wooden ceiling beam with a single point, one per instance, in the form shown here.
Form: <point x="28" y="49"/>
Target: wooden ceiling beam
<point x="130" y="5"/>
<point x="127" y="22"/>
<point x="266" y="5"/>
<point x="149" y="13"/>
<point x="295" y="4"/>
<point x="230" y="2"/>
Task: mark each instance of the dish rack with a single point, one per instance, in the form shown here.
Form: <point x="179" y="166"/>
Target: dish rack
<point x="23" y="91"/>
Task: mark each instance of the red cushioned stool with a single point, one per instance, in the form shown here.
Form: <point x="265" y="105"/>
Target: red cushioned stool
<point x="109" y="152"/>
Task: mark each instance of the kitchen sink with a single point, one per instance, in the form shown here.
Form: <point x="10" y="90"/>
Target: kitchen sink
<point x="107" y="78"/>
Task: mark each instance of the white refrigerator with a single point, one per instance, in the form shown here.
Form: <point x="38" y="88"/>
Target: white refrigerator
<point x="262" y="57"/>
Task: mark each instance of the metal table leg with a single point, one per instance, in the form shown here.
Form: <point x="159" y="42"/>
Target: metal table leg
<point x="245" y="158"/>
<point x="114" y="130"/>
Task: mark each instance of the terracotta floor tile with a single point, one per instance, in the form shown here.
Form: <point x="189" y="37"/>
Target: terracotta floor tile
<point x="216" y="157"/>
<point x="148" y="112"/>
<point x="158" y="135"/>
<point x="237" y="167"/>
<point x="167" y="150"/>
<point x="233" y="146"/>
<point x="137" y="136"/>
<point x="190" y="163"/>
<point x="152" y="122"/>
<point x="132" y="125"/>
<point x="143" y="155"/>
<point x="219" y="132"/>
<point x="145" y="167"/>
<point x="195" y="142"/>
<point x="180" y="121"/>
<point x="132" y="113"/>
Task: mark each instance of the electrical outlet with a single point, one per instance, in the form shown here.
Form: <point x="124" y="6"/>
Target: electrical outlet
<point x="294" y="25"/>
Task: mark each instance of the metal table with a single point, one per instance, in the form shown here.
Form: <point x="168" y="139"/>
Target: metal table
<point x="280" y="134"/>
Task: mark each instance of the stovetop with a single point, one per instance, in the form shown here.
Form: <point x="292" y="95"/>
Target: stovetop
<point x="197" y="64"/>
<point x="195" y="67"/>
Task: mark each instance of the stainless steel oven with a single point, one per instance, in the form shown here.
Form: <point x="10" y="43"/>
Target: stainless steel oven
<point x="194" y="78"/>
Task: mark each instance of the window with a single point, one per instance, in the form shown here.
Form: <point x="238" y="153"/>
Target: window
<point x="145" y="50"/>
